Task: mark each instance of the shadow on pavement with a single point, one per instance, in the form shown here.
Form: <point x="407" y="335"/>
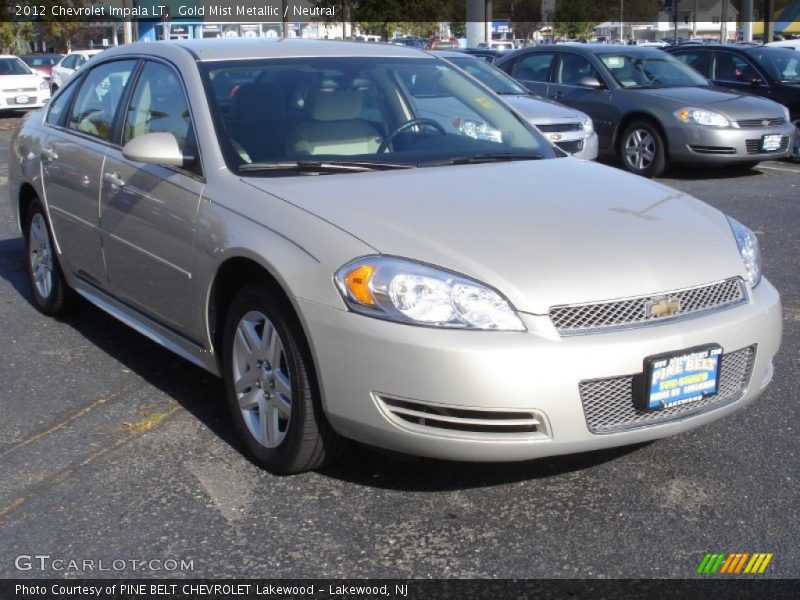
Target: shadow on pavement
<point x="202" y="395"/>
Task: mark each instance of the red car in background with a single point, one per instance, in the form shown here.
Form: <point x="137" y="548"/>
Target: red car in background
<point x="41" y="63"/>
<point x="443" y="44"/>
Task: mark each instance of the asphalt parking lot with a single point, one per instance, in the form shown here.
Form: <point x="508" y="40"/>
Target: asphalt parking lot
<point x="112" y="448"/>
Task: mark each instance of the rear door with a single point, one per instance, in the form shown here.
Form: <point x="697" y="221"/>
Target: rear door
<point x="149" y="211"/>
<point x="699" y="59"/>
<point x="79" y="128"/>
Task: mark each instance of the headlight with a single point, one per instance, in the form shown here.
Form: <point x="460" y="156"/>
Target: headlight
<point x="787" y="114"/>
<point x="701" y="117"/>
<point x="44" y="86"/>
<point x="749" y="250"/>
<point x="477" y="130"/>
<point x="410" y="292"/>
<point x="588" y="126"/>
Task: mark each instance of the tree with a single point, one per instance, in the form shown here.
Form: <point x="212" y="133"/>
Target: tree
<point x="575" y="19"/>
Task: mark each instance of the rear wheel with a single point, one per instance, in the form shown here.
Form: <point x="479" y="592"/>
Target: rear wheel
<point x="271" y="387"/>
<point x="642" y="149"/>
<point x="51" y="293"/>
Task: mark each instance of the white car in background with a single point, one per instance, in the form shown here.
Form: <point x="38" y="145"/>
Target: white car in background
<point x="21" y="88"/>
<point x="69" y="64"/>
<point x="569" y="129"/>
<point x="791" y="44"/>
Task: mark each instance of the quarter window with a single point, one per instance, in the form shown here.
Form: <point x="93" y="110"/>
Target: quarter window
<point x="158" y="104"/>
<point x="99" y="97"/>
<point x="59" y="106"/>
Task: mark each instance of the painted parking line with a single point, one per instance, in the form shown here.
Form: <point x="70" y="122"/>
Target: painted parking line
<point x="784" y="169"/>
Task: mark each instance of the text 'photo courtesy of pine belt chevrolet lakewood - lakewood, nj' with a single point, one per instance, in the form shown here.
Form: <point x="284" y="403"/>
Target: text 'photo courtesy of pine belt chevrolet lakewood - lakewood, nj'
<point x="367" y="243"/>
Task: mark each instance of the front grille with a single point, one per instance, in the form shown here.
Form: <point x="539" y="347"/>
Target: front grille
<point x="609" y="406"/>
<point x="586" y="318"/>
<point x="560" y="127"/>
<point x="437" y="418"/>
<point x="713" y="149"/>
<point x="765" y="122"/>
<point x="18" y="90"/>
<point x="571" y="147"/>
<point x="754" y="146"/>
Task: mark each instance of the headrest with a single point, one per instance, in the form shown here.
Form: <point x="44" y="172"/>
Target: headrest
<point x="255" y="101"/>
<point x="341" y="105"/>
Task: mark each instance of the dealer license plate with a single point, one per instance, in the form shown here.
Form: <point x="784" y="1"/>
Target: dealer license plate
<point x="22" y="99"/>
<point x="771" y="143"/>
<point x="680" y="378"/>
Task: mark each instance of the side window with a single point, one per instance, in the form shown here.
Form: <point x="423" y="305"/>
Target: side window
<point x="572" y="68"/>
<point x="98" y="99"/>
<point x="69" y="62"/>
<point x="730" y="67"/>
<point x="158" y="104"/>
<point x="533" y="67"/>
<point x="58" y="106"/>
<point x="697" y="60"/>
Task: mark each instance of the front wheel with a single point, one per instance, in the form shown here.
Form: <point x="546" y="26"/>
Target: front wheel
<point x="642" y="150"/>
<point x="51" y="293"/>
<point x="270" y="384"/>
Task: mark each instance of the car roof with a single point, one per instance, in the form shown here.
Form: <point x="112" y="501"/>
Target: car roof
<point x="246" y="48"/>
<point x="453" y="54"/>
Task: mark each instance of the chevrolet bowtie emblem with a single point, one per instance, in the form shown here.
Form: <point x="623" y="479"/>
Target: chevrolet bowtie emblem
<point x="765" y="123"/>
<point x="662" y="307"/>
<point x="555" y="136"/>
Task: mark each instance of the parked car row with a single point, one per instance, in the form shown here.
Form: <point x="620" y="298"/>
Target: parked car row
<point x="20" y="87"/>
<point x="651" y="110"/>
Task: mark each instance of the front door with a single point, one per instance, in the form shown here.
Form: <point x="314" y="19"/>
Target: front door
<point x="149" y="211"/>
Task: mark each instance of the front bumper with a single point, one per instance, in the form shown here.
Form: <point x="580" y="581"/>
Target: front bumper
<point x="360" y="359"/>
<point x="31" y="100"/>
<point x="698" y="143"/>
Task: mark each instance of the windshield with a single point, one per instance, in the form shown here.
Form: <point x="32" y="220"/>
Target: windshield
<point x="409" y="112"/>
<point x="489" y="75"/>
<point x="651" y="71"/>
<point x="782" y="64"/>
<point x="13" y="66"/>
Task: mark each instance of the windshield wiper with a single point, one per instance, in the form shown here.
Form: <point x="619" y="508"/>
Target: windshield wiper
<point x="474" y="159"/>
<point x="323" y="166"/>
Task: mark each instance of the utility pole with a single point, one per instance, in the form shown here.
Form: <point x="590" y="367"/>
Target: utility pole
<point x="621" y="20"/>
<point x="769" y="24"/>
<point x="675" y="21"/>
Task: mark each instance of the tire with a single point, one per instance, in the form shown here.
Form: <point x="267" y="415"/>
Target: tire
<point x="795" y="156"/>
<point x="51" y="293"/>
<point x="271" y="387"/>
<point x="642" y="150"/>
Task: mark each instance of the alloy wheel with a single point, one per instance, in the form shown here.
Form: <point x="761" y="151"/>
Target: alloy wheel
<point x="640" y="149"/>
<point x="41" y="256"/>
<point x="261" y="379"/>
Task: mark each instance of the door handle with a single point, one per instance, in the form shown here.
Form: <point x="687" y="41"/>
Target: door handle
<point x="114" y="180"/>
<point x="48" y="155"/>
<point x="558" y="94"/>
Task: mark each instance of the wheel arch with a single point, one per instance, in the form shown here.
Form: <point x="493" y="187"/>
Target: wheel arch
<point x="632" y="117"/>
<point x="27" y="194"/>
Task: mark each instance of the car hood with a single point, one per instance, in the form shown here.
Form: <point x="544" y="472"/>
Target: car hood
<point x="15" y="82"/>
<point x="536" y="109"/>
<point x="544" y="233"/>
<point x="731" y="104"/>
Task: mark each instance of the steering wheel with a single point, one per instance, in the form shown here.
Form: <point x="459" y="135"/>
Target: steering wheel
<point x="403" y="126"/>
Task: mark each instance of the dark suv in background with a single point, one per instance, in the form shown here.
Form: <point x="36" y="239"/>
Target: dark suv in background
<point x="770" y="72"/>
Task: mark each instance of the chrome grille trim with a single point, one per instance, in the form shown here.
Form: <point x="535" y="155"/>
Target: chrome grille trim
<point x="608" y="404"/>
<point x="760" y="122"/>
<point x="578" y="319"/>
<point x="457" y="421"/>
<point x="18" y="90"/>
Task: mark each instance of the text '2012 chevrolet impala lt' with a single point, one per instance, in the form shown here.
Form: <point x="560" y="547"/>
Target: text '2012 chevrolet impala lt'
<point x="288" y="216"/>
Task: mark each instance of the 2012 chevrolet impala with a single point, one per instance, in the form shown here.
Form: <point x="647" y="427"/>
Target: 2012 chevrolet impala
<point x="287" y="216"/>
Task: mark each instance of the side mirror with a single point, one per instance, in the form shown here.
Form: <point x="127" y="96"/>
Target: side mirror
<point x="159" y="148"/>
<point x="590" y="82"/>
<point x="756" y="82"/>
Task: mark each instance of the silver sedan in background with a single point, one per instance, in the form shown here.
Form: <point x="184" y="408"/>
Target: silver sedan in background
<point x="569" y="129"/>
<point x="356" y="262"/>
